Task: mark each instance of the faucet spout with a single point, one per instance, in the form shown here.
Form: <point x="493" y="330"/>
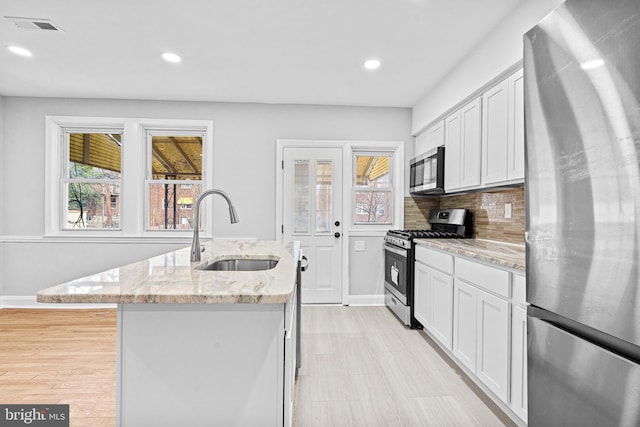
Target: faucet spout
<point x="233" y="217"/>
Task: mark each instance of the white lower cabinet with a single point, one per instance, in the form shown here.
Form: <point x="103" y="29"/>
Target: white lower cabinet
<point x="464" y="324"/>
<point x="478" y="313"/>
<point x="433" y="294"/>
<point x="442" y="303"/>
<point x="481" y="336"/>
<point x="492" y="364"/>
<point x="519" y="362"/>
<point x="421" y="294"/>
<point x="290" y="359"/>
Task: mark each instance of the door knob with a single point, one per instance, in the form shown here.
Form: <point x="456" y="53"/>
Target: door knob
<point x="336" y="234"/>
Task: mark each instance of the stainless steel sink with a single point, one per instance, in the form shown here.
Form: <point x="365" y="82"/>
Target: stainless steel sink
<point x="240" y="265"/>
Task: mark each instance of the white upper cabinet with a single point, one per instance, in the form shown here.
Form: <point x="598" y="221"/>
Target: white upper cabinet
<point x="503" y="132"/>
<point x="484" y="139"/>
<point x="463" y="147"/>
<point x="515" y="169"/>
<point x="431" y="138"/>
<point x="495" y="133"/>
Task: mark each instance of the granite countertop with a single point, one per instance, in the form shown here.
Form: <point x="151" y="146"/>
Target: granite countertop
<point x="507" y="255"/>
<point x="172" y="278"/>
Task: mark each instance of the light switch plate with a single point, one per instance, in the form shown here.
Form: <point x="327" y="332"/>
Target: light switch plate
<point x="507" y="210"/>
<point x="359" y="245"/>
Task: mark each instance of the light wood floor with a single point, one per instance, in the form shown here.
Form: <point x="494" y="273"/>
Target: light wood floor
<point x="361" y="367"/>
<point x="60" y="356"/>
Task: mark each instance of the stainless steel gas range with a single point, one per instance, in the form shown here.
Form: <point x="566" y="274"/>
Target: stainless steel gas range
<point x="399" y="258"/>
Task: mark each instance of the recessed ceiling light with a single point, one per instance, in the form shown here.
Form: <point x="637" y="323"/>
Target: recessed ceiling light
<point x="372" y="64"/>
<point x="171" y="57"/>
<point x="20" y="51"/>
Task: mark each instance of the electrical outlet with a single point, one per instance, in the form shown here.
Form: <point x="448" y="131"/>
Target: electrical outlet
<point x="359" y="245"/>
<point x="507" y="210"/>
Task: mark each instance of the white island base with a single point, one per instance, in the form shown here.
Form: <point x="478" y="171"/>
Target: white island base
<point x="205" y="364"/>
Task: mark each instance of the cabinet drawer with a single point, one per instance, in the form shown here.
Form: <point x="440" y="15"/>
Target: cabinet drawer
<point x="489" y="278"/>
<point x="435" y="259"/>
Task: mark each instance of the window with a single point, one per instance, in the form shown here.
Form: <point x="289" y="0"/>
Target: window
<point x="92" y="180"/>
<point x="174" y="179"/>
<point x="372" y="188"/>
<point x="125" y="177"/>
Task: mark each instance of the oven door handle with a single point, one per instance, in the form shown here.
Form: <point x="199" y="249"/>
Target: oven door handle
<point x="393" y="249"/>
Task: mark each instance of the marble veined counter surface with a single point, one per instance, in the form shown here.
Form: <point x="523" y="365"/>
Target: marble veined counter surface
<point x="506" y="255"/>
<point x="173" y="279"/>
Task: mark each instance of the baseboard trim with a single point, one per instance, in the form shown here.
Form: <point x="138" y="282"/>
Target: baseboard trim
<point x="30" y="302"/>
<point x="366" y="300"/>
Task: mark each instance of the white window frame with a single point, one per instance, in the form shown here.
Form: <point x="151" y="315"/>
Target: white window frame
<point x="391" y="189"/>
<point x="163" y="129"/>
<point x="66" y="180"/>
<point x="133" y="203"/>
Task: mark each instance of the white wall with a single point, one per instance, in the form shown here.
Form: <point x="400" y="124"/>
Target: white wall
<point x="244" y="167"/>
<point x="497" y="52"/>
<point x="2" y="199"/>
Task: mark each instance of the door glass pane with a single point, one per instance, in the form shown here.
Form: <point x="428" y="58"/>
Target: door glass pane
<point x="301" y="197"/>
<point x="324" y="180"/>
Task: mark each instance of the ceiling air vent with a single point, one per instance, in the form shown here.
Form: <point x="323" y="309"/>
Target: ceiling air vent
<point x="33" y="23"/>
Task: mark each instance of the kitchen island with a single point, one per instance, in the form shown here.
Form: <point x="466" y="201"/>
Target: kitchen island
<point x="199" y="347"/>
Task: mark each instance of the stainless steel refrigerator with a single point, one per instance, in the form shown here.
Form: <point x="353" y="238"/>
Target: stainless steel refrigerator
<point x="582" y="120"/>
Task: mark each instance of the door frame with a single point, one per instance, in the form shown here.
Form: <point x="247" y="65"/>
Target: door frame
<point x="348" y="147"/>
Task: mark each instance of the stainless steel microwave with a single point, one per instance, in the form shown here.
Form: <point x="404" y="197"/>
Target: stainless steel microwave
<point x="426" y="173"/>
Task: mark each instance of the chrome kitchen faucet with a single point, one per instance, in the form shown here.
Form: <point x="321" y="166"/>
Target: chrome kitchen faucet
<point x="233" y="216"/>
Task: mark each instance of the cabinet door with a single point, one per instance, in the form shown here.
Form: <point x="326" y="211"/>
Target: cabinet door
<point x="452" y="152"/>
<point x="471" y="141"/>
<point x="493" y="323"/>
<point x="515" y="160"/>
<point x="435" y="135"/>
<point x="442" y="307"/>
<point x="431" y="138"/>
<point x="422" y="144"/>
<point x="495" y="133"/>
<point x="519" y="362"/>
<point x="422" y="294"/>
<point x="464" y="324"/>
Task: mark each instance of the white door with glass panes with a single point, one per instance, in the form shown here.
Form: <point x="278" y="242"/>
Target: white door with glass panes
<point x="312" y="214"/>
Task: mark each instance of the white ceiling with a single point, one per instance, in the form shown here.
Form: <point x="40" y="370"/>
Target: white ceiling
<point x="268" y="51"/>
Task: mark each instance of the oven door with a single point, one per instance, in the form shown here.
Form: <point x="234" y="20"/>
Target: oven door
<point x="396" y="274"/>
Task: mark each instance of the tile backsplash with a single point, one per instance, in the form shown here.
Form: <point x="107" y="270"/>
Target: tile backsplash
<point x="487" y="209"/>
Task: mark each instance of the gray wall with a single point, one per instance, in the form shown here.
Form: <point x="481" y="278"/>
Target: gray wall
<point x="244" y="166"/>
<point x="367" y="275"/>
<point x="498" y="51"/>
<point x="2" y="199"/>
